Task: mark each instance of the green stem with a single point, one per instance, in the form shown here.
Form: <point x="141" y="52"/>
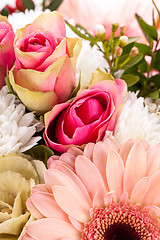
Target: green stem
<point x="44" y="5"/>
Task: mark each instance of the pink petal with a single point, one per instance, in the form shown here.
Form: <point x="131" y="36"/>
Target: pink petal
<point x="69" y="179"/>
<point x="98" y="200"/>
<point x="139" y="190"/>
<point x="153" y="163"/>
<point x="68" y="158"/>
<point x="51" y="229"/>
<point x="115" y="167"/>
<point x="44" y="22"/>
<point x="27" y="237"/>
<point x="75" y="151"/>
<point x="135" y="167"/>
<point x="154" y="210"/>
<point x="74" y="205"/>
<point x="34" y="211"/>
<point x="154" y="189"/>
<point x="40" y="188"/>
<point x="76" y="224"/>
<point x="59" y="51"/>
<point x="125" y="149"/>
<point x="47" y="205"/>
<point x="88" y="151"/>
<point x="89" y="175"/>
<point x="100" y="154"/>
<point x="109" y="198"/>
<point x="110" y="143"/>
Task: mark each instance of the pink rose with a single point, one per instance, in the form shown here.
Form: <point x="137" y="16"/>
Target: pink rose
<point x="44" y="72"/>
<point x="86" y="118"/>
<point x="7" y="55"/>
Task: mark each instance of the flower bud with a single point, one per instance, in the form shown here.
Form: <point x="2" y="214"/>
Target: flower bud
<point x="119" y="51"/>
<point x="100" y="30"/>
<point x="123" y="41"/>
<point x="122" y="29"/>
<point x="134" y="52"/>
<point x="115" y="26"/>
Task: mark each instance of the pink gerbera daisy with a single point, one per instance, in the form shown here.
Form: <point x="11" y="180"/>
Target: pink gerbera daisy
<point x="105" y="192"/>
<point x="89" y="13"/>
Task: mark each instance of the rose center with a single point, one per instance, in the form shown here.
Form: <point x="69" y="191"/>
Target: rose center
<point x="89" y="111"/>
<point x="121" y="221"/>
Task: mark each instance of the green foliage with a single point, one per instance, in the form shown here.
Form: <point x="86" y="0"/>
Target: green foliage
<point x="40" y="152"/>
<point x="5" y="12"/>
<point x="137" y="61"/>
<point x="28" y="4"/>
<point x="54" y="4"/>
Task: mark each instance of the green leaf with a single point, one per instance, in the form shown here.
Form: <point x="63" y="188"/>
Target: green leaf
<point x="77" y="88"/>
<point x="40" y="152"/>
<point x="133" y="61"/>
<point x="8" y="82"/>
<point x="54" y="4"/>
<point x="148" y="30"/>
<point x="156" y="80"/>
<point x="132" y="39"/>
<point x="76" y="30"/>
<point x="123" y="63"/>
<point x="143" y="66"/>
<point x="156" y="60"/>
<point x="143" y="48"/>
<point x="5" y="12"/>
<point x="130" y="79"/>
<point x="154" y="95"/>
<point x="28" y="4"/>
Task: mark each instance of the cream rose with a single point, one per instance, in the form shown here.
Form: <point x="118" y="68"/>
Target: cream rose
<point x="18" y="174"/>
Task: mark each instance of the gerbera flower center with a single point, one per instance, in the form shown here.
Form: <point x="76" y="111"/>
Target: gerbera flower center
<point x="121" y="222"/>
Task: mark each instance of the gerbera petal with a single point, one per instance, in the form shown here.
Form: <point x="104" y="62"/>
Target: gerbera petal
<point x="88" y="151"/>
<point x="154" y="210"/>
<point x="139" y="190"/>
<point x="115" y="167"/>
<point x="34" y="211"/>
<point x="89" y="175"/>
<point x="98" y="200"/>
<point x="74" y="205"/>
<point x="153" y="189"/>
<point x="153" y="163"/>
<point x="125" y="149"/>
<point x="68" y="179"/>
<point x="134" y="172"/>
<point x="100" y="154"/>
<point x="76" y="224"/>
<point x="51" y="229"/>
<point x="50" y="208"/>
<point x="109" y="198"/>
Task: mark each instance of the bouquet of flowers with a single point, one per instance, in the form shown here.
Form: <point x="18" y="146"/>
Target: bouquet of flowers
<point x="79" y="120"/>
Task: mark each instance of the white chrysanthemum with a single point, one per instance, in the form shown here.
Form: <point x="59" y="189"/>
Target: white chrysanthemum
<point x="136" y="122"/>
<point x="89" y="59"/>
<point x="16" y="127"/>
